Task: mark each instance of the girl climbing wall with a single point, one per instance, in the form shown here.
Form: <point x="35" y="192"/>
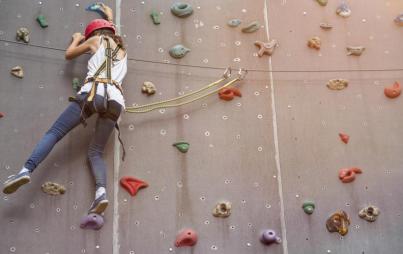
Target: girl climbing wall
<point x="101" y="94"/>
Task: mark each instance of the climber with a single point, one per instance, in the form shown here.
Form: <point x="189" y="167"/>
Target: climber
<point x="101" y="94"/>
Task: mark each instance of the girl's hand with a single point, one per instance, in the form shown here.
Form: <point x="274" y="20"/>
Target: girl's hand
<point x="78" y="37"/>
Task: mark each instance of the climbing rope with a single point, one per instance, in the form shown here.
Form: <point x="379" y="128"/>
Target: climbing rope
<point x="191" y="97"/>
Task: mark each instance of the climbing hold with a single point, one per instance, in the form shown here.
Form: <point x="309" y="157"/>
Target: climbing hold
<point x="325" y="26"/>
<point x="53" y="188"/>
<point x="252" y="27"/>
<point x="322" y="2"/>
<point x="369" y="213"/>
<point x="338" y="222"/>
<point x="92" y="221"/>
<point x="181" y="10"/>
<point x="234" y="22"/>
<point x="308" y="206"/>
<point x="132" y="185"/>
<point x="337" y="84"/>
<point x="2" y="115"/>
<point x="355" y="51"/>
<point x="266" y="47"/>
<point x="97" y="7"/>
<point x="186" y="237"/>
<point x="148" y="88"/>
<point x="222" y="209"/>
<point x="155" y="16"/>
<point x="399" y="20"/>
<point x="228" y="93"/>
<point x="72" y="98"/>
<point x="22" y="34"/>
<point x="182" y="146"/>
<point x="269" y="236"/>
<point x="42" y="21"/>
<point x="344" y="137"/>
<point x="17" y="71"/>
<point x="76" y="84"/>
<point x="393" y="91"/>
<point x="178" y="51"/>
<point x="314" y="43"/>
<point x="347" y="175"/>
<point x="343" y="10"/>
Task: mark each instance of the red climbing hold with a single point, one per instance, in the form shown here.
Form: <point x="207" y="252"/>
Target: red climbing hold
<point x="344" y="137"/>
<point x="186" y="237"/>
<point x="1" y="115"/>
<point x="393" y="91"/>
<point x="132" y="185"/>
<point x="347" y="175"/>
<point x="228" y="93"/>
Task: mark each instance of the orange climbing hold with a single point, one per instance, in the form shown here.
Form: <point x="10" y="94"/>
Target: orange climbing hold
<point x="347" y="175"/>
<point x="186" y="237"/>
<point x="229" y="93"/>
<point x="132" y="185"/>
<point x="344" y="137"/>
<point x="393" y="91"/>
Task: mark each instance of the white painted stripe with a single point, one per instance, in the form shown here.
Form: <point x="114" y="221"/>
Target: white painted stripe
<point x="116" y="162"/>
<point x="276" y="143"/>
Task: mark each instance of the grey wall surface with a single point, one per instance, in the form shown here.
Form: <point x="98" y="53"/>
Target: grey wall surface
<point x="257" y="153"/>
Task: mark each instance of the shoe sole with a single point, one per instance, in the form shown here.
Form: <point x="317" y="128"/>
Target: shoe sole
<point x="13" y="186"/>
<point x="100" y="208"/>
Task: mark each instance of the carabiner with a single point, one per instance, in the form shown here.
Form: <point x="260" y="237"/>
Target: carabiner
<point x="227" y="73"/>
<point x="242" y="73"/>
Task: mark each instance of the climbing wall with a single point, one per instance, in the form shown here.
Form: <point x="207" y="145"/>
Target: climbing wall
<point x="266" y="152"/>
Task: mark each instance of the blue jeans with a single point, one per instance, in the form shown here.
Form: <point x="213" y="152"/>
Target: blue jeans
<point x="69" y="119"/>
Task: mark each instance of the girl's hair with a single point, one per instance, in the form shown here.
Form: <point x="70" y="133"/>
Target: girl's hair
<point x="107" y="32"/>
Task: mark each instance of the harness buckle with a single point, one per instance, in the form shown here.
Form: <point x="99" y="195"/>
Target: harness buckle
<point x="242" y="73"/>
<point x="227" y="73"/>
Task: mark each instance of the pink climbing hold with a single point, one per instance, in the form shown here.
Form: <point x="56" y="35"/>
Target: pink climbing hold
<point x="344" y="137"/>
<point x="132" y="185"/>
<point x="92" y="221"/>
<point x="1" y="115"/>
<point x="186" y="237"/>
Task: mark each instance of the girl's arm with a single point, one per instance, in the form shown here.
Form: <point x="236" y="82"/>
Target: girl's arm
<point x="76" y="49"/>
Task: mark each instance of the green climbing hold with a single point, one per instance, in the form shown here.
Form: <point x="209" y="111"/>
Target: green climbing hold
<point x="155" y="16"/>
<point x="182" y="146"/>
<point x="42" y="21"/>
<point x="181" y="10"/>
<point x="178" y="51"/>
<point x="322" y="2"/>
<point x="76" y="84"/>
<point x="308" y="206"/>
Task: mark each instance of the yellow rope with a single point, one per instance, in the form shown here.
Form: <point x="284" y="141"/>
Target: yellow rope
<point x="176" y="101"/>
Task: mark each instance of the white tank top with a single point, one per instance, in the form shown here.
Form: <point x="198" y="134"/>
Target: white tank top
<point x="119" y="70"/>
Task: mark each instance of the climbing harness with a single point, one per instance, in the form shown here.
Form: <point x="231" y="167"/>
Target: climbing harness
<point x="193" y="96"/>
<point x="108" y="109"/>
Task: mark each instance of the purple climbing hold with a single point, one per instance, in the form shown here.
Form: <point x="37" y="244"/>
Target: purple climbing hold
<point x="269" y="236"/>
<point x="92" y="221"/>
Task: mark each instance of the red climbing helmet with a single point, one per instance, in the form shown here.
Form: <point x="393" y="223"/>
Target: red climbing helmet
<point x="98" y="24"/>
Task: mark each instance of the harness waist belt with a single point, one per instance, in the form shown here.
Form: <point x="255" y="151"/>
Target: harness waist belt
<point x="104" y="81"/>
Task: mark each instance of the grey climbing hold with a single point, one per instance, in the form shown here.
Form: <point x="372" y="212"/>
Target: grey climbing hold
<point x="343" y="10"/>
<point x="22" y="34"/>
<point x="76" y="84"/>
<point x="252" y="27"/>
<point x="325" y="26"/>
<point x="17" y="71"/>
<point x="399" y="20"/>
<point x="148" y="88"/>
<point x="53" y="188"/>
<point x="234" y="22"/>
<point x="355" y="51"/>
<point x="222" y="209"/>
<point x="178" y="51"/>
<point x="369" y="213"/>
<point x="155" y="16"/>
<point x="181" y="10"/>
